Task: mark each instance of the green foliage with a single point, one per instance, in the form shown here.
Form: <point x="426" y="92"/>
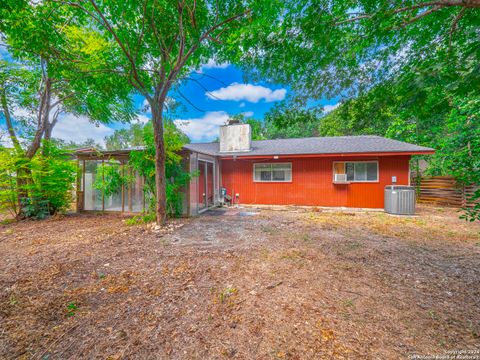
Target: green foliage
<point x="89" y="143"/>
<point x="154" y="45"/>
<point x="55" y="177"/>
<point x="176" y="176"/>
<point x="35" y="207"/>
<point x="8" y="181"/>
<point x="406" y="70"/>
<point x="329" y="48"/>
<point x="109" y="178"/>
<point x="428" y="113"/>
<point x="141" y="219"/>
<point x="70" y="309"/>
<point x="459" y="149"/>
<point x="284" y="121"/>
<point x="290" y="121"/>
<point x="257" y="128"/>
<point x="125" y="138"/>
<point x="46" y="181"/>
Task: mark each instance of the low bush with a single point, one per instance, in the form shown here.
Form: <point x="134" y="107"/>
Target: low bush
<point x="37" y="187"/>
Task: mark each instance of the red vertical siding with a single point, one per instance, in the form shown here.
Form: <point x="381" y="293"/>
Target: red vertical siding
<point x="312" y="182"/>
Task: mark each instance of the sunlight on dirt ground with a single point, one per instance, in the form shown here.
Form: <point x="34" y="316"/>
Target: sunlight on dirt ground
<point x="233" y="284"/>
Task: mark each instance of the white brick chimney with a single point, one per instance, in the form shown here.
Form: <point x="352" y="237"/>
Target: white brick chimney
<point x="235" y="137"/>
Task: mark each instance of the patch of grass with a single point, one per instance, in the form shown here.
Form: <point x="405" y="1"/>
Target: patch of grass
<point x="71" y="309"/>
<point x="268" y="229"/>
<point x="265" y="254"/>
<point x="433" y="315"/>
<point x="306" y="237"/>
<point x="226" y="293"/>
<point x="474" y="330"/>
<point x="7" y="221"/>
<point x="352" y="245"/>
<point x="13" y="300"/>
<point x="101" y="275"/>
<point x="140" y="219"/>
<point x="348" y="303"/>
<point x="293" y="254"/>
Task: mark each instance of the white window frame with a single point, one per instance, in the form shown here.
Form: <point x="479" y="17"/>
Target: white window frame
<point x="357" y="181"/>
<point x="273" y="181"/>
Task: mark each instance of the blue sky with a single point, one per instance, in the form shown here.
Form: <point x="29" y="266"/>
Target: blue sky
<point x="222" y="93"/>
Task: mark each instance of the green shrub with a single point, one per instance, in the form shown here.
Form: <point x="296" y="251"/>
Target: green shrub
<point x="141" y="219"/>
<point x="8" y="181"/>
<point x="176" y="176"/>
<point x="44" y="184"/>
<point x="55" y="177"/>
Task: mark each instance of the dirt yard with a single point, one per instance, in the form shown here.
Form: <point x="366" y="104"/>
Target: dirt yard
<point x="243" y="284"/>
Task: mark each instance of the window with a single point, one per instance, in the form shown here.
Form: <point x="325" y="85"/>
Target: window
<point x="356" y="171"/>
<point x="278" y="172"/>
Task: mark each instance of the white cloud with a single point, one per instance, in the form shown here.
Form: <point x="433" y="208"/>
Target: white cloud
<point x="143" y="118"/>
<point x="247" y="113"/>
<point x="5" y="139"/>
<point x="204" y="128"/>
<point x="146" y="107"/>
<point x="212" y="64"/>
<point x="78" y="128"/>
<point x="247" y="92"/>
<point x="328" y="108"/>
<point x="22" y="113"/>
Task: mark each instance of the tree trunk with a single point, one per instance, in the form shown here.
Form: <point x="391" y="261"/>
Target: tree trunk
<point x="160" y="185"/>
<point x="48" y="132"/>
<point x="23" y="179"/>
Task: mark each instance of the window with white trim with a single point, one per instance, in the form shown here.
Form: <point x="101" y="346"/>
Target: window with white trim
<point x="355" y="171"/>
<point x="275" y="172"/>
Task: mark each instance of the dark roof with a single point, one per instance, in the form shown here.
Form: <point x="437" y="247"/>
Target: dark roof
<point x="316" y="145"/>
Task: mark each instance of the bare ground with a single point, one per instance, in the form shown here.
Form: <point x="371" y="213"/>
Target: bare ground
<point x="273" y="285"/>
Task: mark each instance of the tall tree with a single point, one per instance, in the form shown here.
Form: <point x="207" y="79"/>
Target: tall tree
<point x="125" y="138"/>
<point x="289" y="121"/>
<point x="329" y="48"/>
<point x="41" y="79"/>
<point x="155" y="44"/>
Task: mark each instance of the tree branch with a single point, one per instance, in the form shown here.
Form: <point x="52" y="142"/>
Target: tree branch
<point x="207" y="33"/>
<point x="8" y="120"/>
<point x="437" y="5"/>
<point x="419" y="16"/>
<point x="140" y="85"/>
<point x="454" y="25"/>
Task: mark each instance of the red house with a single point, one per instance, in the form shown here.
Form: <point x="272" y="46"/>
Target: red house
<point x="346" y="171"/>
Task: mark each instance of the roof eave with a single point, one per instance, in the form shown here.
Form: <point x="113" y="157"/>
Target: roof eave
<point x="345" y="154"/>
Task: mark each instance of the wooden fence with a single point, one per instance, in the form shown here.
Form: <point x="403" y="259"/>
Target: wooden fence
<point x="443" y="190"/>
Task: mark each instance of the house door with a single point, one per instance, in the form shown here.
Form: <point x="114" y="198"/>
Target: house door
<point x="209" y="186"/>
<point x="205" y="184"/>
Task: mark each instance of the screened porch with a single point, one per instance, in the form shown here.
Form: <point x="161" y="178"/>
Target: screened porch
<point x="101" y="184"/>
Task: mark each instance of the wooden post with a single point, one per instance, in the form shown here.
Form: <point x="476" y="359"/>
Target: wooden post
<point x="103" y="180"/>
<point x="130" y="193"/>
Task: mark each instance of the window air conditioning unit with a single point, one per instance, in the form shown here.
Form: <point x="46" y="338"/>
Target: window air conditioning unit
<point x="340" y="177"/>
